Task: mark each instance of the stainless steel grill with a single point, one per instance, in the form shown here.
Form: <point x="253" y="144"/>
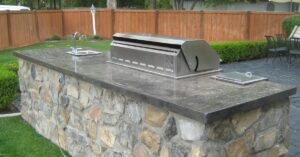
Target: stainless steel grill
<point x="162" y="55"/>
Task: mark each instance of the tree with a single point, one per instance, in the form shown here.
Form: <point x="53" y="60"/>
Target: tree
<point x="152" y="4"/>
<point x="177" y="4"/>
<point x="111" y="4"/>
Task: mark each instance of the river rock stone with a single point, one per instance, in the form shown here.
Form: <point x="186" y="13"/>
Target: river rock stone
<point x="110" y="153"/>
<point x="140" y="151"/>
<point x="107" y="137"/>
<point x="92" y="129"/>
<point x="154" y="116"/>
<point x="243" y="121"/>
<point x="151" y="140"/>
<point x="178" y="150"/>
<point x="237" y="148"/>
<point x="250" y="135"/>
<point x="134" y="112"/>
<point x="170" y="129"/>
<point x="72" y="90"/>
<point x="220" y="130"/>
<point x="190" y="130"/>
<point x="273" y="152"/>
<point x="96" y="148"/>
<point x="198" y="151"/>
<point x="265" y="139"/>
<point x="271" y="118"/>
<point x="93" y="113"/>
<point x="126" y="137"/>
<point x="111" y="119"/>
<point x="33" y="72"/>
<point x="164" y="151"/>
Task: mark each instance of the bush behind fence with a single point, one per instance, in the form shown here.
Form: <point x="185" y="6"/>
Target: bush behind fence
<point x="27" y="27"/>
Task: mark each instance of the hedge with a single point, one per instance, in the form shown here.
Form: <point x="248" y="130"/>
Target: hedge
<point x="232" y="51"/>
<point x="8" y="86"/>
<point x="289" y="22"/>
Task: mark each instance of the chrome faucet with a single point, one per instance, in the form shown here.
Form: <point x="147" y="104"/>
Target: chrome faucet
<point x="74" y="47"/>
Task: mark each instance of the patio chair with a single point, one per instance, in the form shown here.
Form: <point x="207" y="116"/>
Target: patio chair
<point x="281" y="41"/>
<point x="276" y="48"/>
<point x="294" y="49"/>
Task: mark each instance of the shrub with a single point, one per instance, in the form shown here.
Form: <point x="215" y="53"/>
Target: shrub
<point x="8" y="87"/>
<point x="97" y="37"/>
<point x="83" y="37"/>
<point x="160" y="4"/>
<point x="13" y="66"/>
<point x="289" y="22"/>
<point x="54" y="37"/>
<point x="231" y="51"/>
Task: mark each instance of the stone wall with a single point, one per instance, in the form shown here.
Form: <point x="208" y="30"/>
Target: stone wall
<point x="88" y="121"/>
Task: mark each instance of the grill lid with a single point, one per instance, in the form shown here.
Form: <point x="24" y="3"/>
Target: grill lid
<point x="182" y="56"/>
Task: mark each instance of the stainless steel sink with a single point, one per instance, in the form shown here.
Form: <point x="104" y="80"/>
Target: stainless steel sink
<point x="83" y="52"/>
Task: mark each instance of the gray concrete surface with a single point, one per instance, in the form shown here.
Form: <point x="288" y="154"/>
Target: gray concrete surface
<point x="199" y="98"/>
<point x="282" y="72"/>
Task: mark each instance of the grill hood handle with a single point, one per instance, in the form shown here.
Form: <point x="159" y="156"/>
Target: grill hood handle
<point x="199" y="56"/>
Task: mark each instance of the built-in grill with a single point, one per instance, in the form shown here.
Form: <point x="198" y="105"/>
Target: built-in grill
<point x="163" y="55"/>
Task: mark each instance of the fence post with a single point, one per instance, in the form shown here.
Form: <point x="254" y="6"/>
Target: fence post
<point x="156" y="22"/>
<point x="8" y="28"/>
<point x="37" y="25"/>
<point x="62" y="23"/>
<point x="112" y="22"/>
<point x="202" y="24"/>
<point x="248" y="22"/>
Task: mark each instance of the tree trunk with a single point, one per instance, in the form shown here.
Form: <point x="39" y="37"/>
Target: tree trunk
<point x="194" y="4"/>
<point x="111" y="4"/>
<point x="177" y="4"/>
<point x="152" y="4"/>
<point x="54" y="4"/>
<point x="59" y="4"/>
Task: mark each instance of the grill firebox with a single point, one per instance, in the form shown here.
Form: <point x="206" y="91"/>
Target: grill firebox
<point x="167" y="56"/>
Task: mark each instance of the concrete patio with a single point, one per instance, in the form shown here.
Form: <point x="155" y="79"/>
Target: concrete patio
<point x="281" y="72"/>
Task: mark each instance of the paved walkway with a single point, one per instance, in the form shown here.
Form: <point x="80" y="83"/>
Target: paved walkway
<point x="280" y="72"/>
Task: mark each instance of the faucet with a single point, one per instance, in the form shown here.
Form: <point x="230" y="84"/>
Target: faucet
<point x="74" y="47"/>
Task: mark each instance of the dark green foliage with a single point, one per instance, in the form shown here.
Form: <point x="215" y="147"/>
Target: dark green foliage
<point x="161" y="4"/>
<point x="289" y="23"/>
<point x="132" y="4"/>
<point x="8" y="87"/>
<point x="54" y="37"/>
<point x="85" y="3"/>
<point x="97" y="37"/>
<point x="232" y="51"/>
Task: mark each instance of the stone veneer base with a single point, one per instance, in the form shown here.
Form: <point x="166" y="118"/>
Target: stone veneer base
<point x="88" y="121"/>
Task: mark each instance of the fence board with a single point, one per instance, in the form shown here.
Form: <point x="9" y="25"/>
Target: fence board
<point x="49" y="23"/>
<point x="265" y="23"/>
<point x="77" y="20"/>
<point x="180" y="23"/>
<point x="221" y="26"/>
<point x="4" y="38"/>
<point x="27" y="27"/>
<point x="104" y="22"/>
<point x="134" y="21"/>
<point x="23" y="28"/>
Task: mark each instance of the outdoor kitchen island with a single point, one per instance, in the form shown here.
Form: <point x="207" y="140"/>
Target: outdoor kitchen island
<point x="93" y="108"/>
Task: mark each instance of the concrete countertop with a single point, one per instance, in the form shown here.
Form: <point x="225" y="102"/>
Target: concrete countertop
<point x="200" y="98"/>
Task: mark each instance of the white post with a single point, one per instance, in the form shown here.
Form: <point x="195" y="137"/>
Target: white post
<point x="93" y="12"/>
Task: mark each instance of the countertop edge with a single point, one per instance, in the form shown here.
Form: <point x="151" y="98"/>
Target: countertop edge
<point x="260" y="102"/>
<point x="196" y="115"/>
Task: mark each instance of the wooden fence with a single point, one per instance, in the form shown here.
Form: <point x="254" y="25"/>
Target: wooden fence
<point x="23" y="28"/>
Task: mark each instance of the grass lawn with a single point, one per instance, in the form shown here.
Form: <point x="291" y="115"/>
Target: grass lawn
<point x="6" y="55"/>
<point x="17" y="138"/>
